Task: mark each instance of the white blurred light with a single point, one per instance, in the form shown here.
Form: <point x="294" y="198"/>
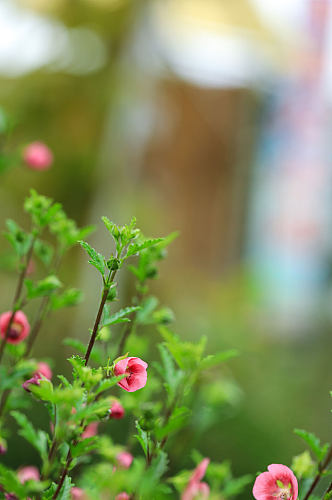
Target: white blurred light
<point x="29" y="41"/>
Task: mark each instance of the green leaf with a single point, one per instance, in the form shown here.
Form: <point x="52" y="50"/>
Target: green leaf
<point x="65" y="490"/>
<point x="118" y="317"/>
<point x="96" y="259"/>
<point x="10" y="482"/>
<point x="187" y="354"/>
<point x="44" y="252"/>
<point x="215" y="359"/>
<point x="68" y="298"/>
<point x="43" y="287"/>
<point x="38" y="439"/>
<point x="19" y="239"/>
<point x="108" y="383"/>
<point x="235" y="486"/>
<point x="144" y="316"/>
<point x="41" y="209"/>
<point x="178" y="419"/>
<point x="313" y="442"/>
<point x="64" y="381"/>
<point x="84" y="447"/>
<point x="136" y="248"/>
<point x="48" y="494"/>
<point x="149" y="485"/>
<point x="172" y="376"/>
<point x="142" y="438"/>
<point x="43" y="391"/>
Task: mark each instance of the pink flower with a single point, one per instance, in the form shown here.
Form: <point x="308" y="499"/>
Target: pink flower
<point x="35" y="380"/>
<point x="135" y="369"/>
<point x="90" y="430"/>
<point x="19" y="329"/>
<point x="38" y="156"/>
<point x="28" y="473"/>
<point x="195" y="488"/>
<point x="44" y="370"/>
<point x="77" y="493"/>
<point x="3" y="449"/>
<point x="279" y="482"/>
<point x="116" y="411"/>
<point x="122" y="496"/>
<point x="124" y="459"/>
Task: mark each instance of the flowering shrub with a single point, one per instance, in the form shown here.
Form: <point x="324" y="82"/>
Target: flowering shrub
<point x="79" y="456"/>
<point x="115" y="376"/>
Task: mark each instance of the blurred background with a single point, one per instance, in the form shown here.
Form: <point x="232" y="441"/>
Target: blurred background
<point x="211" y="117"/>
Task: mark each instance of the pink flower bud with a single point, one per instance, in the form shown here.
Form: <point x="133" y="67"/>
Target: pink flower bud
<point x="135" y="369"/>
<point x="278" y="482"/>
<point x="116" y="411"/>
<point x="124" y="459"/>
<point x="122" y="496"/>
<point x="77" y="493"/>
<point x="37" y="156"/>
<point x="44" y="370"/>
<point x="90" y="430"/>
<point x="195" y="487"/>
<point x="28" y="473"/>
<point x="19" y="329"/>
<point x="35" y="380"/>
<point x="3" y="449"/>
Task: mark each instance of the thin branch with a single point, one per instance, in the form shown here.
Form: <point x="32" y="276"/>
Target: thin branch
<point x="321" y="467"/>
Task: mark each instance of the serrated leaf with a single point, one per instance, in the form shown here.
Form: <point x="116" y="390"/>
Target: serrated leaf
<point x="48" y="494"/>
<point x="64" y="493"/>
<point x="108" y="383"/>
<point x="43" y="287"/>
<point x="10" y="482"/>
<point x="64" y="381"/>
<point x="178" y="419"/>
<point x="96" y="259"/>
<point x="142" y="438"/>
<point x="215" y="359"/>
<point x="38" y="439"/>
<point x="18" y="238"/>
<point x="44" y="251"/>
<point x="314" y="443"/>
<point x="84" y="447"/>
<point x="135" y="248"/>
<point x="235" y="486"/>
<point x="120" y="316"/>
<point x="68" y="298"/>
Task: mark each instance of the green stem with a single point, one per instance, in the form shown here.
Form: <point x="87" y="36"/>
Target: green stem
<point x="99" y="315"/>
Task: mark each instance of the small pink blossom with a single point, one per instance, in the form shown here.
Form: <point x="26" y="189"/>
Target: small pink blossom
<point x="37" y="156"/>
<point x="77" y="493"/>
<point x="116" y="411"/>
<point x="90" y="430"/>
<point x="122" y="496"/>
<point x="135" y="369"/>
<point x="44" y="370"/>
<point x="3" y="449"/>
<point x="28" y="473"/>
<point x="196" y="488"/>
<point x="279" y="482"/>
<point x="124" y="459"/>
<point x="19" y="329"/>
